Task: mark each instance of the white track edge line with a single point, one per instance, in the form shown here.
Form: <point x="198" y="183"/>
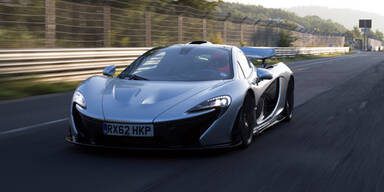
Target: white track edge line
<point x="32" y="126"/>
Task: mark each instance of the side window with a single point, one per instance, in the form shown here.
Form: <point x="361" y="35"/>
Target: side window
<point x="244" y="64"/>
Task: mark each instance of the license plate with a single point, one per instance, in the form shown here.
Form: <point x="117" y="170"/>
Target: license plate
<point x="130" y="130"/>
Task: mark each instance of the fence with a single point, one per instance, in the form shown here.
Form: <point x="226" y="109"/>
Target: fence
<point x="78" y="64"/>
<point x="118" y="23"/>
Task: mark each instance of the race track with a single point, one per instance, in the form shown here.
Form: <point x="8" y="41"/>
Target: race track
<point x="334" y="143"/>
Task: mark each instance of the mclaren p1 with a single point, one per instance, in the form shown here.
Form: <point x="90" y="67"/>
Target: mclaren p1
<point x="187" y="96"/>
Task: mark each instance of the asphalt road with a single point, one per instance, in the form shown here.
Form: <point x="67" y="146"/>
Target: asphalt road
<point x="334" y="143"/>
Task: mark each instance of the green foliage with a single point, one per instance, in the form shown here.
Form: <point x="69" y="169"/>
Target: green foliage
<point x="16" y="28"/>
<point x="15" y="38"/>
<point x="286" y="38"/>
<point x="290" y="25"/>
<point x="356" y="33"/>
<point x="303" y="57"/>
<point x="314" y="23"/>
<point x="346" y="44"/>
<point x="349" y="35"/>
<point x="243" y="44"/>
<point x="379" y="35"/>
<point x="143" y="4"/>
<point x="353" y="34"/>
<point x="124" y="42"/>
<point x="323" y="26"/>
<point x="198" y="4"/>
<point x="216" y="38"/>
<point x="25" y="88"/>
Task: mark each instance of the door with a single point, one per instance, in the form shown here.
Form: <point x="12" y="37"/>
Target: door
<point x="266" y="92"/>
<point x="268" y="101"/>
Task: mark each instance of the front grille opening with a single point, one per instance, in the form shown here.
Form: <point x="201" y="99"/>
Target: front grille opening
<point x="185" y="132"/>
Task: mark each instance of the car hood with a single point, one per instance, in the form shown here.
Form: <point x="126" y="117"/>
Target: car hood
<point x="143" y="101"/>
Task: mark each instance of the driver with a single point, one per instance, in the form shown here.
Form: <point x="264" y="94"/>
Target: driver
<point x="219" y="61"/>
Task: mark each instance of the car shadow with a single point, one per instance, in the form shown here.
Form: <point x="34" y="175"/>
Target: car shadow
<point x="152" y="154"/>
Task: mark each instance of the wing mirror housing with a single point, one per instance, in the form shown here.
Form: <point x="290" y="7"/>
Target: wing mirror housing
<point x="109" y="71"/>
<point x="263" y="74"/>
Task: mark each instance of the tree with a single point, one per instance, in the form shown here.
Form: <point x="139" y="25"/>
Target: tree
<point x="197" y="4"/>
<point x="216" y="38"/>
<point x="254" y="12"/>
<point x="356" y="33"/>
<point x="371" y="34"/>
<point x="286" y="38"/>
<point x="379" y="35"/>
<point x="290" y="25"/>
<point x="349" y="35"/>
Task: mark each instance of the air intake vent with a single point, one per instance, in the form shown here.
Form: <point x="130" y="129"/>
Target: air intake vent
<point x="199" y="42"/>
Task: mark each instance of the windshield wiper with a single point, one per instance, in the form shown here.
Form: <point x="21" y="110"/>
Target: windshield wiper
<point x="136" y="77"/>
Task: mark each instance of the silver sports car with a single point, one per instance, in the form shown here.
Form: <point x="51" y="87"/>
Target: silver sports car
<point x="186" y="96"/>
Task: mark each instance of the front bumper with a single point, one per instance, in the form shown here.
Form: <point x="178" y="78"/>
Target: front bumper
<point x="175" y="134"/>
<point x="138" y="147"/>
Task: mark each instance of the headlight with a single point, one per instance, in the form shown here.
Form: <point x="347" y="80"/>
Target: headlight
<point x="79" y="99"/>
<point x="216" y="102"/>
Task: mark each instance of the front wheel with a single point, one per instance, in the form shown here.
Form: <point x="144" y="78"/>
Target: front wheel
<point x="245" y="122"/>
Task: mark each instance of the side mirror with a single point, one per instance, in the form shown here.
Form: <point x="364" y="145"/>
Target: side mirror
<point x="109" y="71"/>
<point x="263" y="74"/>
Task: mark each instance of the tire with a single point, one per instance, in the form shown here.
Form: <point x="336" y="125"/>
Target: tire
<point x="289" y="102"/>
<point x="245" y="122"/>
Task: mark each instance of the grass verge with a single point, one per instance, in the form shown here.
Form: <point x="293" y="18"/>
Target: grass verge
<point x="304" y="57"/>
<point x="26" y="88"/>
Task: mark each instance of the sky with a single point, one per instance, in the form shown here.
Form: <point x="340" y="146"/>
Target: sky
<point x="374" y="6"/>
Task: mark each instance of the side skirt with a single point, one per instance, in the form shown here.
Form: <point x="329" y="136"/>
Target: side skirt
<point x="263" y="127"/>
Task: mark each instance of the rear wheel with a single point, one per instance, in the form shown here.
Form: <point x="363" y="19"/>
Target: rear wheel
<point x="289" y="102"/>
<point x="246" y="121"/>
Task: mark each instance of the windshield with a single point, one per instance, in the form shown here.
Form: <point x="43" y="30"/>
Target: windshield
<point x="182" y="63"/>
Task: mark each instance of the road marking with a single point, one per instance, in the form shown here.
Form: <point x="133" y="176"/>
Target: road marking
<point x="31" y="98"/>
<point x="301" y="69"/>
<point x="313" y="63"/>
<point x="31" y="126"/>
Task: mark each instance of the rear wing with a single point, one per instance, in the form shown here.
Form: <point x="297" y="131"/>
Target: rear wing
<point x="258" y="53"/>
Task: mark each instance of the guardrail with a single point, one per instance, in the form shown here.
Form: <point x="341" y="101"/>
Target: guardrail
<point x="293" y="51"/>
<point x="78" y="64"/>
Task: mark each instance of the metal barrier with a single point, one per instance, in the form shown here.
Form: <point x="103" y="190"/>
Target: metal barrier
<point x="78" y="64"/>
<point x="293" y="51"/>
